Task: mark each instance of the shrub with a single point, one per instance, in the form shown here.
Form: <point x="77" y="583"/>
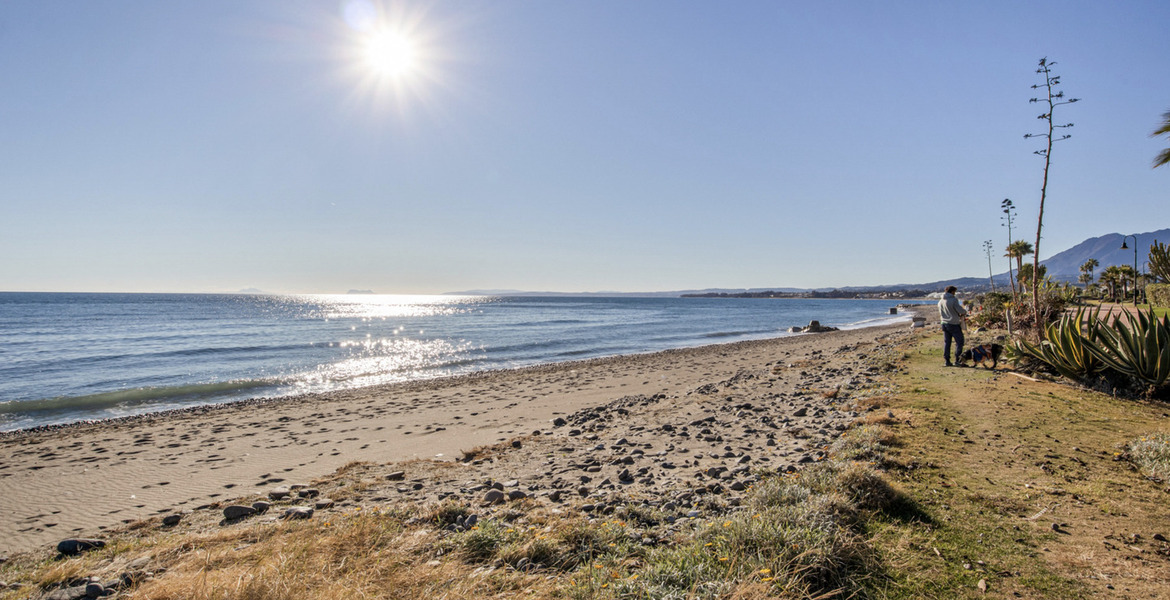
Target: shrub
<point x="1151" y="454"/>
<point x="1063" y="347"/>
<point x="1138" y="347"/>
<point x="1158" y="295"/>
<point x="991" y="309"/>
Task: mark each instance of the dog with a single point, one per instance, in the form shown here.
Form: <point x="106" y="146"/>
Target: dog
<point x="980" y="355"/>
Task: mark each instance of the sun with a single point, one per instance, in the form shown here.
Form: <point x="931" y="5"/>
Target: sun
<point x="390" y="54"/>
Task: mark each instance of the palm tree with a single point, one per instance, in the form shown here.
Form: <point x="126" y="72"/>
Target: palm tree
<point x="1163" y="156"/>
<point x="1127" y="275"/>
<point x="1088" y="267"/>
<point x="1111" y="277"/>
<point x="1018" y="250"/>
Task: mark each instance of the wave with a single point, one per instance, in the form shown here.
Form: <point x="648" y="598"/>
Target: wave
<point x="135" y="396"/>
<point x="550" y="322"/>
<point x="723" y="334"/>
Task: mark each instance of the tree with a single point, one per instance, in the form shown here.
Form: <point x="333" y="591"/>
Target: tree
<point x="1160" y="262"/>
<point x="1111" y="277"/>
<point x="1163" y="157"/>
<point x="1009" y="215"/>
<point x="987" y="246"/>
<point x="1088" y="268"/>
<point x="1126" y="274"/>
<point x="1026" y="274"/>
<point x="1018" y="250"/>
<point x="1054" y="99"/>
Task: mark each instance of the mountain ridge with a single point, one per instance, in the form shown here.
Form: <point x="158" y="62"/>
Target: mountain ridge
<point x="1063" y="266"/>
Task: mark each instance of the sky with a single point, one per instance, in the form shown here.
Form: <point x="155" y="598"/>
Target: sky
<point x="599" y="145"/>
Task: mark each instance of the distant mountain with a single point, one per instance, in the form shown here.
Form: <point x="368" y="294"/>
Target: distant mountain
<point x="1062" y="266"/>
<point x="1066" y="266"/>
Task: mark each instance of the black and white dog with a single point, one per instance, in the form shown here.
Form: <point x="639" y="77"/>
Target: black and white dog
<point x="982" y="355"/>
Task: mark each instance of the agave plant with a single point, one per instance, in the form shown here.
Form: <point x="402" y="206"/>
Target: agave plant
<point x="1064" y="346"/>
<point x="1139" y="347"/>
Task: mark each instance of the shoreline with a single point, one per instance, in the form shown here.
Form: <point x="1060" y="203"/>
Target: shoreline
<point x="304" y="396"/>
<point x="88" y="477"/>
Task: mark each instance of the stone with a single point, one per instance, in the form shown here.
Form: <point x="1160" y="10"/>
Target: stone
<point x="298" y="512"/>
<point x="494" y="496"/>
<point x="95" y="590"/>
<point x="76" y="592"/>
<point x="308" y="493"/>
<point x="517" y="495"/>
<point x="279" y="493"/>
<point x="396" y="476"/>
<point x="172" y="520"/>
<point x="237" y="511"/>
<point x="75" y="546"/>
<point x="261" y="506"/>
<point x="323" y="503"/>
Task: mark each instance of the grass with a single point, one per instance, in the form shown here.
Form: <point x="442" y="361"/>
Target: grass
<point x="1015" y="483"/>
<point x="797" y="535"/>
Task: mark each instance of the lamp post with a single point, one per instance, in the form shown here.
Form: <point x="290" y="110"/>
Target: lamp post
<point x="1135" y="271"/>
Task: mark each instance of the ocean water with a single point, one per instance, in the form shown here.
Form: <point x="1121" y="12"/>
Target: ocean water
<point x="75" y="357"/>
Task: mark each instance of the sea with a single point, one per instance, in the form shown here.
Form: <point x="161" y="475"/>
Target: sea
<point x="72" y="357"/>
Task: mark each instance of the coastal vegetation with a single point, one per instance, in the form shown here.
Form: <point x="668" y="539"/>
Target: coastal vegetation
<point x="1052" y="98"/>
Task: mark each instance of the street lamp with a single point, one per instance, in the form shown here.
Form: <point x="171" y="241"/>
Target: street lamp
<point x="1135" y="271"/>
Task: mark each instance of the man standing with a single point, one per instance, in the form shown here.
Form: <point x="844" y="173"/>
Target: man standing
<point x="951" y="313"/>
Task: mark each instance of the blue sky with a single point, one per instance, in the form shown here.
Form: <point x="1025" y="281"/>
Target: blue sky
<point x="569" y="146"/>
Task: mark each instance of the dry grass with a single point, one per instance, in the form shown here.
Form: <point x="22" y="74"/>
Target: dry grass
<point x="797" y="536"/>
<point x="1151" y="454"/>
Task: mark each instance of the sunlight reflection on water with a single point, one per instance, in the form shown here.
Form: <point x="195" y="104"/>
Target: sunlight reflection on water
<point x="382" y="306"/>
<point x="386" y="360"/>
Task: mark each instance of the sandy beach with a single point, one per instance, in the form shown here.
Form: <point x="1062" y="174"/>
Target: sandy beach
<point x="649" y="424"/>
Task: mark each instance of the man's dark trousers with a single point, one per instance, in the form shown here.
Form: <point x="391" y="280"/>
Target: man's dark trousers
<point x="955" y="332"/>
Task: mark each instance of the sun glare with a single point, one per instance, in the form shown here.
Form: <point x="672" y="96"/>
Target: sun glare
<point x="390" y="54"/>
